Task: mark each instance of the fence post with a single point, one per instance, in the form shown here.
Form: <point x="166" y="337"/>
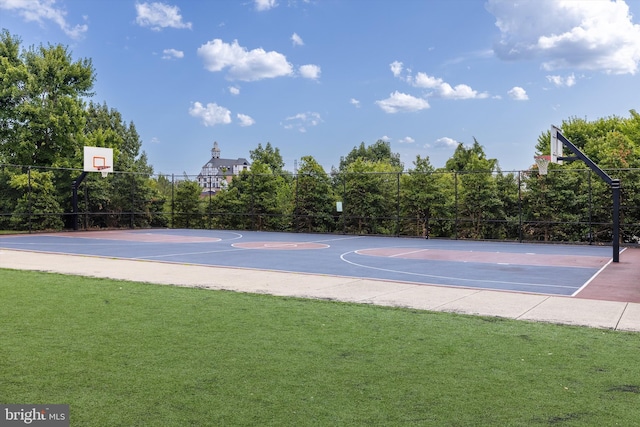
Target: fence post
<point x="29" y="209"/>
<point x="253" y="207"/>
<point x="210" y="202"/>
<point x="398" y="205"/>
<point x="455" y="184"/>
<point x="344" y="202"/>
<point x="295" y="208"/>
<point x="86" y="206"/>
<point x="133" y="200"/>
<point x="173" y="201"/>
<point x="590" y="209"/>
<point x="520" y="230"/>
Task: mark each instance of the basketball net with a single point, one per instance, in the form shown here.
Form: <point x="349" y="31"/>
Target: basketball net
<point x="104" y="170"/>
<point x="543" y="164"/>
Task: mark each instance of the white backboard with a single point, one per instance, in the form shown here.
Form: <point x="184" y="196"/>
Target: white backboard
<point x="98" y="159"/>
<point x="556" y="146"/>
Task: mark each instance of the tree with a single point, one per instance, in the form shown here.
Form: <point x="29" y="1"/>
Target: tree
<point x="188" y="209"/>
<point x="421" y="196"/>
<point x="314" y="198"/>
<point x="380" y="151"/>
<point x="134" y="192"/>
<point x="508" y="192"/>
<point x="370" y="197"/>
<point x="477" y="192"/>
<point x="268" y="156"/>
<point x="41" y="107"/>
<point x="258" y="199"/>
<point x="37" y="207"/>
<point x="611" y="142"/>
<point x="467" y="158"/>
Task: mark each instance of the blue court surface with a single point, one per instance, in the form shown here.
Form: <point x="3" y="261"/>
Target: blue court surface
<point x="533" y="268"/>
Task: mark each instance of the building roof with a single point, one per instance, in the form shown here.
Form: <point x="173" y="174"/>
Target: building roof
<point x="222" y="166"/>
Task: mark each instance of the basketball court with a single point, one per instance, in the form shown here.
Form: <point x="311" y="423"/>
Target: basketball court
<point x="517" y="280"/>
<point x="526" y="268"/>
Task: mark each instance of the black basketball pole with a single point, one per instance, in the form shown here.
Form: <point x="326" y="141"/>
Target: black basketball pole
<point x="615" y="190"/>
<point x="613" y="183"/>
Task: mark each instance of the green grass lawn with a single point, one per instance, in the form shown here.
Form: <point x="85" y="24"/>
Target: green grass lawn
<point x="133" y="354"/>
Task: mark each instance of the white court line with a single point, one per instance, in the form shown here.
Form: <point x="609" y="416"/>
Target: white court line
<point x="334" y="240"/>
<point x="342" y="257"/>
<point x="594" y="276"/>
<point x="408" y="253"/>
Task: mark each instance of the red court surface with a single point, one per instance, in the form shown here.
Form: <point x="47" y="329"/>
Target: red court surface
<point x="618" y="281"/>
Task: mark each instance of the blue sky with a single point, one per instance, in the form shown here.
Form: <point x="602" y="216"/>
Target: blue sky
<point x="318" y="77"/>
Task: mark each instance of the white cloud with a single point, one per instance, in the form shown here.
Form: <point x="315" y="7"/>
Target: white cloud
<point x="265" y="4"/>
<point x="302" y="121"/>
<point x="245" y="120"/>
<point x="234" y="90"/>
<point x="426" y="81"/>
<point x="159" y="15"/>
<point x="354" y="102"/>
<point x="444" y="89"/>
<point x="560" y="81"/>
<point x="518" y="93"/>
<point x="396" y="68"/>
<point x="385" y="138"/>
<point x="407" y="140"/>
<point x="402" y="102"/>
<point x="446" y="142"/>
<point x="587" y="35"/>
<point x="297" y="40"/>
<point x="44" y="10"/>
<point x="211" y="115"/>
<point x="243" y="65"/>
<point x="439" y="87"/>
<point x="172" y="54"/>
<point x="310" y="71"/>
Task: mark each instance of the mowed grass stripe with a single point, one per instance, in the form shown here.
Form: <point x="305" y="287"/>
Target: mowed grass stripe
<point x="134" y="354"/>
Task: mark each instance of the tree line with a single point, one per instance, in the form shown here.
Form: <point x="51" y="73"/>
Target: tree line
<point x="47" y="117"/>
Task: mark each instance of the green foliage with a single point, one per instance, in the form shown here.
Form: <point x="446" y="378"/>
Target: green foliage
<point x="425" y="200"/>
<point x="611" y="142"/>
<point x="268" y="156"/>
<point x="614" y="151"/>
<point x="267" y="197"/>
<point x="314" y="204"/>
<point x="380" y="151"/>
<point x="551" y="201"/>
<point x="507" y="225"/>
<point x="370" y="197"/>
<point x="188" y="208"/>
<point x="37" y="207"/>
<point x="477" y="192"/>
<point x="470" y="159"/>
<point x="41" y="112"/>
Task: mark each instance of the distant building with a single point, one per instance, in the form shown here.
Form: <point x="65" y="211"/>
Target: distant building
<point x="217" y="173"/>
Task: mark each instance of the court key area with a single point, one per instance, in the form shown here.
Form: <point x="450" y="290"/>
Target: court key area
<point x="519" y="267"/>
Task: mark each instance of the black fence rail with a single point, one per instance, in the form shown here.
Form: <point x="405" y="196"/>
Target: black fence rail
<point x="567" y="205"/>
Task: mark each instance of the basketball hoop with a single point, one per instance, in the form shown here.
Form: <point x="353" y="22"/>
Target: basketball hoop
<point x="543" y="164"/>
<point x="104" y="170"/>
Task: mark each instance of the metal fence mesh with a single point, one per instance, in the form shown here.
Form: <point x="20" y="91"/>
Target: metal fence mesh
<point x="566" y="205"/>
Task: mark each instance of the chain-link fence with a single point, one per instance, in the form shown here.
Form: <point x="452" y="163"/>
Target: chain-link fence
<point x="567" y="205"/>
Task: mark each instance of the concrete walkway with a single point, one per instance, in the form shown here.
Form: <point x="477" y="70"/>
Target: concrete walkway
<point x="532" y="307"/>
